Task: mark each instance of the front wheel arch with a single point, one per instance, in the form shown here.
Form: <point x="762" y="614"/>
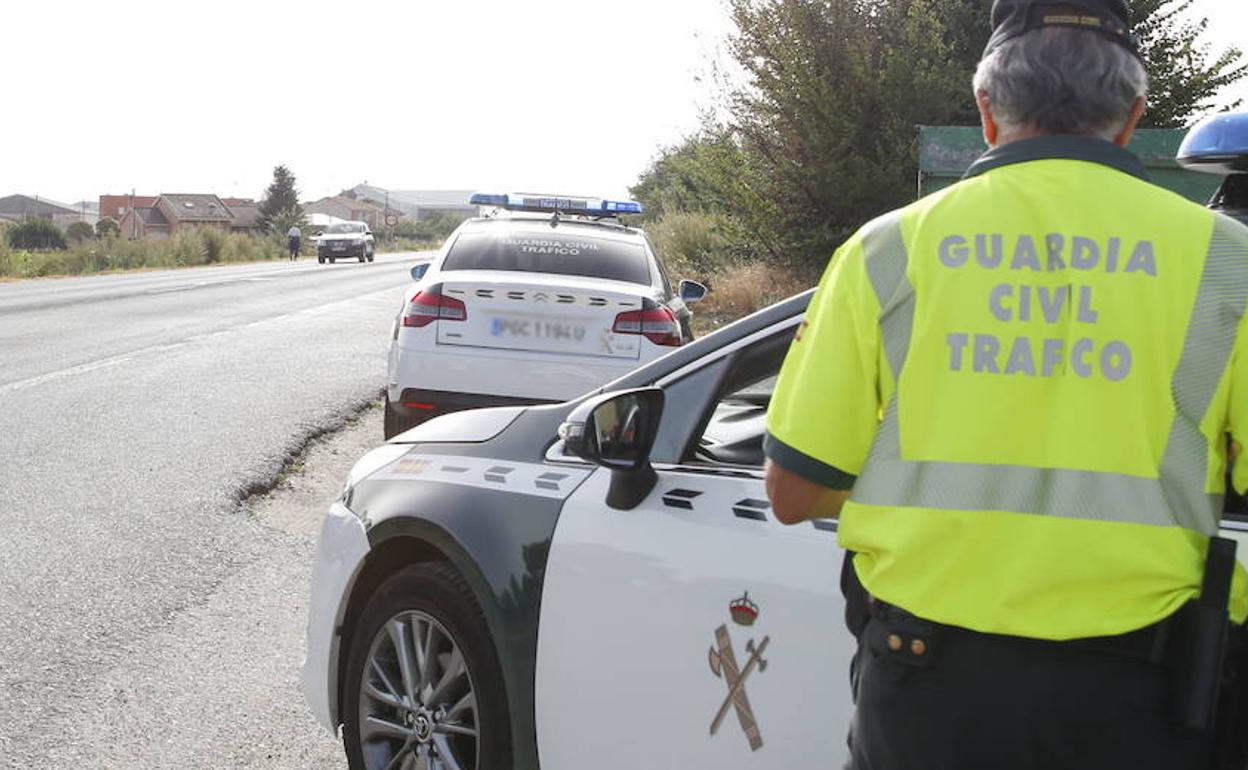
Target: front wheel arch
<point x="384" y="560"/>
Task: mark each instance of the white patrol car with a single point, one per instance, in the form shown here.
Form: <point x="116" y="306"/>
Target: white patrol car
<point x="596" y="584"/>
<point x="542" y="301"/>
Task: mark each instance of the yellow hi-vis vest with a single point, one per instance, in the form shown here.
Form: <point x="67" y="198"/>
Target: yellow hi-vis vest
<point x="1027" y="380"/>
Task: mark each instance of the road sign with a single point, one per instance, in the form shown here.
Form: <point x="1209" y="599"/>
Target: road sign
<point x="391" y="220"/>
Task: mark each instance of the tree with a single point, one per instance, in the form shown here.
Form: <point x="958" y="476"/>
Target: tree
<point x="36" y="234"/>
<point x="820" y="134"/>
<point x="107" y="227"/>
<point x="79" y="231"/>
<point x="281" y="201"/>
<point x="282" y="221"/>
<point x="1185" y="75"/>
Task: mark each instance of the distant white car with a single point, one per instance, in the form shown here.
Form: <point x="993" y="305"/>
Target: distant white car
<point x="542" y="301"/>
<point x="345" y="240"/>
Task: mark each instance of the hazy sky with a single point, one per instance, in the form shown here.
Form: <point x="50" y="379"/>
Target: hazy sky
<point x="563" y="97"/>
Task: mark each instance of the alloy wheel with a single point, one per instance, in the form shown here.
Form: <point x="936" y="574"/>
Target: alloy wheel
<point x="417" y="705"/>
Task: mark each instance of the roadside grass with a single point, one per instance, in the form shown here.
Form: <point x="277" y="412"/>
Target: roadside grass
<point x="197" y="246"/>
<point x="189" y="248"/>
<point x="738" y="290"/>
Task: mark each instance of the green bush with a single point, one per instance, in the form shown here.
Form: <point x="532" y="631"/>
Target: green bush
<point x="107" y="227"/>
<point x="6" y="255"/>
<point x="79" y="231"/>
<point x="435" y="227"/>
<point x="36" y="234"/>
<point x="692" y="243"/>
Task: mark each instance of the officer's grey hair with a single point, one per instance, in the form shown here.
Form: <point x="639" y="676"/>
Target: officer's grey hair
<point x="1061" y="81"/>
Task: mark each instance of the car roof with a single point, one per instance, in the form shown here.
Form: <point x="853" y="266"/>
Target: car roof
<point x="607" y="228"/>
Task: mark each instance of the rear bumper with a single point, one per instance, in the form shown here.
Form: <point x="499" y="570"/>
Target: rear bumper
<point x="491" y="377"/>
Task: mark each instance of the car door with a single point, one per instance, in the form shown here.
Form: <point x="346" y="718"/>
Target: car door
<point x="695" y="630"/>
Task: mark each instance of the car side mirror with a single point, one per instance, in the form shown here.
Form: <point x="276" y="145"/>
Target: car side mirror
<point x="418" y="271"/>
<point x="691" y="291"/>
<point x="617" y="431"/>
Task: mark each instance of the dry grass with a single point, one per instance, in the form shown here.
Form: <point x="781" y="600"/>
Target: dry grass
<point x="737" y="291"/>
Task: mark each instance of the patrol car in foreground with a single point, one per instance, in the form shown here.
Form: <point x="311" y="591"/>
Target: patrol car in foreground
<point x="595" y="584"/>
<point x="543" y="300"/>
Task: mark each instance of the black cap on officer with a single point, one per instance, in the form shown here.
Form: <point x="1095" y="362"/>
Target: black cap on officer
<point x="1111" y="18"/>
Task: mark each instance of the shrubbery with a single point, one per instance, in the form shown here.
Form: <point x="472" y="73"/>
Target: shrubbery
<point x="79" y="231"/>
<point x="36" y="234"/>
<point x="197" y="246"/>
<point x="435" y="227"/>
<point x="106" y="227"/>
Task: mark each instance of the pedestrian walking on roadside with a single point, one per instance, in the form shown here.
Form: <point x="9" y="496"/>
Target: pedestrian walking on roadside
<point x="294" y="239"/>
<point x="1016" y="394"/>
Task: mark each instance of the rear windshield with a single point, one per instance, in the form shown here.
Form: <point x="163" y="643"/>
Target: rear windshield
<point x="560" y="253"/>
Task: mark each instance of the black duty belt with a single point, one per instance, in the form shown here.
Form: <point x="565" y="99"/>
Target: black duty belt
<point x="1147" y="645"/>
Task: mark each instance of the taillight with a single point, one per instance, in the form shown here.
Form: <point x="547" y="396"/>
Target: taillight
<point x="658" y="325"/>
<point x="429" y="305"/>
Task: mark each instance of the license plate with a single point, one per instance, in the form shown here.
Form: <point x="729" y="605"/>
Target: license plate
<point x="339" y="247"/>
<point x="527" y="328"/>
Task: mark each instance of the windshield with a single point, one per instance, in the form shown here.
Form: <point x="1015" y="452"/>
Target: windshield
<point x="559" y="253"/>
<point x="340" y="229"/>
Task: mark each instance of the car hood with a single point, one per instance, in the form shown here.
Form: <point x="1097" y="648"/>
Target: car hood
<point x="468" y="427"/>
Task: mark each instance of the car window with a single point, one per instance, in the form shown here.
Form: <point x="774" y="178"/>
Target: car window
<point x="344" y="229"/>
<point x="558" y="253"/>
<point x="736" y="420"/>
<point x="717" y="414"/>
<point x="684" y="402"/>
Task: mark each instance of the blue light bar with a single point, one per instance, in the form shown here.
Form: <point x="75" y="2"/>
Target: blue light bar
<point x="550" y="204"/>
<point x="485" y="199"/>
<point x="1218" y="145"/>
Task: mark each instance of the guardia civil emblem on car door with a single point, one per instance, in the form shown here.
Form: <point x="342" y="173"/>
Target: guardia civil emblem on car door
<point x="724" y="665"/>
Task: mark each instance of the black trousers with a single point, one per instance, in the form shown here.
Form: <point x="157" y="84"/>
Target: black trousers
<point x="973" y="701"/>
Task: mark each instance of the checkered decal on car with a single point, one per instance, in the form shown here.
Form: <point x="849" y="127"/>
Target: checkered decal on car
<point x="486" y="473"/>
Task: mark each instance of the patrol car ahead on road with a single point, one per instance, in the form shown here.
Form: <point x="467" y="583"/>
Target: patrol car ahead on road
<point x="544" y="300"/>
<point x="595" y="584"/>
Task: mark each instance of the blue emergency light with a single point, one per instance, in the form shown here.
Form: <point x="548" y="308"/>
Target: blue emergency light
<point x="1217" y="144"/>
<point x="555" y="204"/>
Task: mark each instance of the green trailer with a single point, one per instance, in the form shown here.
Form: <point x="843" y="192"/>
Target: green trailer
<point x="945" y="153"/>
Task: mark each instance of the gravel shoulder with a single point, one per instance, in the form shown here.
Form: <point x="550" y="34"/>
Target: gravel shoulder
<point x="219" y="686"/>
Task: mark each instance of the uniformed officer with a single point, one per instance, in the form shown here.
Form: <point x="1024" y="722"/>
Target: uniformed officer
<point x="1019" y="389"/>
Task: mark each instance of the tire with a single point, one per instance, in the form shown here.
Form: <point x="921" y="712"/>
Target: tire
<point x="332" y="260"/>
<point x="320" y="259"/>
<point x="468" y="718"/>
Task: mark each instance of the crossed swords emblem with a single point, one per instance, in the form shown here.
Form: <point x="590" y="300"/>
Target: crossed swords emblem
<point x="724" y="664"/>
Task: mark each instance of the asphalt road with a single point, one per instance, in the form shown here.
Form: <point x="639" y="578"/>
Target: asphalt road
<point x="147" y="619"/>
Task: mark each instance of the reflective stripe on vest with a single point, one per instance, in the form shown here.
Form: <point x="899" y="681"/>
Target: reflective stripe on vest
<point x="1176" y="497"/>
